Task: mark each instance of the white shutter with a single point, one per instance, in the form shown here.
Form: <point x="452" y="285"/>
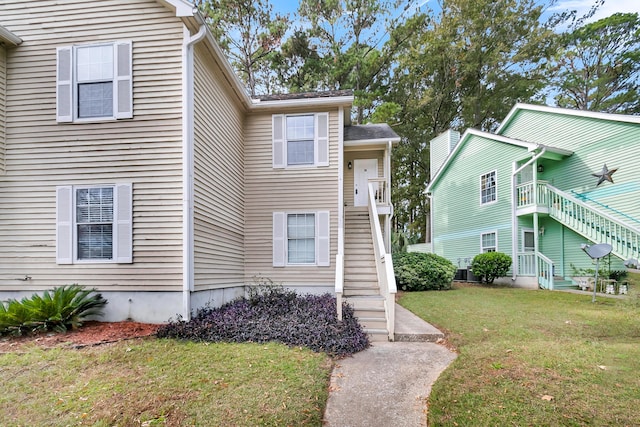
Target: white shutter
<point x="279" y="239"/>
<point x="123" y="222"/>
<point x="64" y="225"/>
<point x="64" y="85"/>
<point x="123" y="90"/>
<point x="278" y="133"/>
<point x="322" y="243"/>
<point x="322" y="139"/>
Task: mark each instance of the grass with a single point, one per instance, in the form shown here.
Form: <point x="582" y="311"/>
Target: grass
<point x="165" y="382"/>
<point x="535" y="357"/>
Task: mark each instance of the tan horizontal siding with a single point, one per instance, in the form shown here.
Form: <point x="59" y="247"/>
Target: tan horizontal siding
<point x="3" y="85"/>
<point x="218" y="179"/>
<point x="268" y="190"/>
<point x="41" y="154"/>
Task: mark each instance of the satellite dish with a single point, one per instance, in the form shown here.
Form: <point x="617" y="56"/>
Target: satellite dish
<point x="598" y="251"/>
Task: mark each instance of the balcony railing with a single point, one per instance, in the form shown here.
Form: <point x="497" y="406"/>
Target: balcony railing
<point x="380" y="190"/>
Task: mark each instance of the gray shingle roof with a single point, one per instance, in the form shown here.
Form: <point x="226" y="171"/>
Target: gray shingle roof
<point x="304" y="95"/>
<point x="370" y="132"/>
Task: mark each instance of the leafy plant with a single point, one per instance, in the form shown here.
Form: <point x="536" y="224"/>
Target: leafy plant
<point x="489" y="266"/>
<point x="272" y="313"/>
<point x="62" y="308"/>
<point x="416" y="271"/>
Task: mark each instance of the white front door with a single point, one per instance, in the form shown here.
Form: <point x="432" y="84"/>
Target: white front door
<point x="363" y="170"/>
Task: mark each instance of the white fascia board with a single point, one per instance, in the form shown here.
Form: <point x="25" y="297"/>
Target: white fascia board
<point x="182" y="7"/>
<point x="568" y="112"/>
<point x="8" y="37"/>
<point x="379" y="141"/>
<point x="302" y="102"/>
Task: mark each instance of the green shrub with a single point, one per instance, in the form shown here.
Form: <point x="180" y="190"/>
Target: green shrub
<point x="490" y="265"/>
<point x="62" y="308"/>
<point x="422" y="272"/>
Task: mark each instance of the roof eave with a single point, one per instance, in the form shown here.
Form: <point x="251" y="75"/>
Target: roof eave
<point x="377" y="141"/>
<point x="337" y="101"/>
<point x="8" y="37"/>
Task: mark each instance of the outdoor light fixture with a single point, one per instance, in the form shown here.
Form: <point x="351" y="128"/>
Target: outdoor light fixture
<point x="596" y="252"/>
<point x="350" y="165"/>
<point x="540" y="168"/>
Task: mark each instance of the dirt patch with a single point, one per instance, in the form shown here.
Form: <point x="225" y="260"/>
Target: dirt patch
<point x="91" y="333"/>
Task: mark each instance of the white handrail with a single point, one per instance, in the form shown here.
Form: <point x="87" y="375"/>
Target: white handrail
<point x="384" y="264"/>
<point x="339" y="286"/>
<point x="594" y="224"/>
<point x="545" y="272"/>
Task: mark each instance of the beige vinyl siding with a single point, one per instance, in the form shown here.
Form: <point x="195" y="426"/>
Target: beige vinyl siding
<point x="218" y="179"/>
<point x="300" y="189"/>
<point x="3" y="85"/>
<point x="350" y="156"/>
<point x="41" y="154"/>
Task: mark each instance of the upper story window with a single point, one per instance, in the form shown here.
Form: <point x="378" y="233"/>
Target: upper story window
<point x="94" y="82"/>
<point x="488" y="187"/>
<point x="300" y="140"/>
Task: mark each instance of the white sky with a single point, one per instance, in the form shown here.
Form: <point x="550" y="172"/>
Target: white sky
<point x="608" y="8"/>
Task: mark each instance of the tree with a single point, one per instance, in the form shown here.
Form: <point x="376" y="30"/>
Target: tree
<point x="463" y="67"/>
<point x="249" y="33"/>
<point x="598" y="66"/>
<point x="346" y="35"/>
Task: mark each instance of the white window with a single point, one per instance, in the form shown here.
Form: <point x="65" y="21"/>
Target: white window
<point x="488" y="187"/>
<point x="94" y="224"/>
<point x="489" y="242"/>
<point x="300" y="140"/>
<point x="94" y="82"/>
<point x="301" y="238"/>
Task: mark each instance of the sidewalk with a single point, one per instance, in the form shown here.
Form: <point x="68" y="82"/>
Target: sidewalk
<point x="388" y="384"/>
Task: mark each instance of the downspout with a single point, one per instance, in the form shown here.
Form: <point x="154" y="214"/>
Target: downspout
<point x="514" y="217"/>
<point x="430" y="225"/>
<point x="188" y="275"/>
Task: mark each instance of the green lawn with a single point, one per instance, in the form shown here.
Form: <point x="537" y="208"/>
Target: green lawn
<point x="164" y="382"/>
<point x="534" y="358"/>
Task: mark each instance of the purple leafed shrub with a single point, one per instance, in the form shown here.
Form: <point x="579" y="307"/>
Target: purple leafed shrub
<point x="279" y="315"/>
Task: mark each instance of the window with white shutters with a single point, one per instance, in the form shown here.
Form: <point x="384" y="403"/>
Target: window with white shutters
<point x="300" y="140"/>
<point x="94" y="224"/>
<point x="301" y="238"/>
<point x="94" y="82"/>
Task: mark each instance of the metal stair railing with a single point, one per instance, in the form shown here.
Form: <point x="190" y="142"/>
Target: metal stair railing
<point x="591" y="223"/>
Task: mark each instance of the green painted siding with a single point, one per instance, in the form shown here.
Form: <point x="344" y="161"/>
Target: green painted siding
<point x="458" y="216"/>
<point x="439" y="149"/>
<point x="595" y="142"/>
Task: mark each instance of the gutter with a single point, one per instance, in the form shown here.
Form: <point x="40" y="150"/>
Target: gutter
<point x="188" y="275"/>
<point x="514" y="217"/>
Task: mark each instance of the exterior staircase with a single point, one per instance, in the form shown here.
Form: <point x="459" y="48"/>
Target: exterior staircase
<point x="361" y="289"/>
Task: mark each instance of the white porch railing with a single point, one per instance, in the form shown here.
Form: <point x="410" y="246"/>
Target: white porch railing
<point x="384" y="263"/>
<point x="380" y="191"/>
<point x="526" y="264"/>
<point x="527" y="195"/>
<point x="545" y="272"/>
<point x="593" y="224"/>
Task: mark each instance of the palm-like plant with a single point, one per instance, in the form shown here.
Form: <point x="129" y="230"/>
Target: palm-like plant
<point x="61" y="309"/>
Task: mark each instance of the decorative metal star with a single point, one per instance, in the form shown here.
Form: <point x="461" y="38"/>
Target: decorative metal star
<point x="604" y="175"/>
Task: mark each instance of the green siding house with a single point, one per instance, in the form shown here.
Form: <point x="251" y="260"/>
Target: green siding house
<point x="548" y="181"/>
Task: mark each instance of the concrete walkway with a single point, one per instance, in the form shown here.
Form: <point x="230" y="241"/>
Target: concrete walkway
<point x="389" y="383"/>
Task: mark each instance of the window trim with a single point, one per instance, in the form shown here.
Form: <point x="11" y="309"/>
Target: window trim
<point x="482" y="247"/>
<point x="66" y="225"/>
<point x="320" y="141"/>
<point x="67" y="83"/>
<point x="495" y="200"/>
